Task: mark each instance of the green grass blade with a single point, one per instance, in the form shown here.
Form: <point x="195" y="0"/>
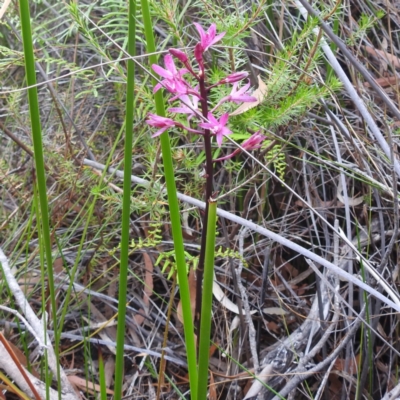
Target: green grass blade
<point x="126" y="203"/>
<point x="175" y="216"/>
<point x="102" y="377"/>
<point x="34" y="112"/>
<point x="206" y="303"/>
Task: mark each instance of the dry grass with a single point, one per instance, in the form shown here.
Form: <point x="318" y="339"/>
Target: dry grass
<point x="322" y="337"/>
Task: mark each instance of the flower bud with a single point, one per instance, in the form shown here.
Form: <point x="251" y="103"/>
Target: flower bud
<point x="254" y="142"/>
<point x="198" y="54"/>
<point x="180" y="55"/>
<point x="235" y="77"/>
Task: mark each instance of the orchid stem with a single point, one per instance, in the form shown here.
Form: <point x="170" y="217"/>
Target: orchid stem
<point x="209" y="191"/>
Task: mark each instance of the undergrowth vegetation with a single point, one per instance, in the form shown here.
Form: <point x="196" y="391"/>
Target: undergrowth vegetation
<point x="305" y="281"/>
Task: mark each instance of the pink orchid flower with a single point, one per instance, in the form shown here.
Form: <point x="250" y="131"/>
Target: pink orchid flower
<point x="166" y="123"/>
<point x="216" y="127"/>
<point x="188" y="106"/>
<point x="234" y="77"/>
<point x="173" y="81"/>
<point x="160" y="122"/>
<point x="237" y="96"/>
<point x="209" y="38"/>
<point x="254" y="142"/>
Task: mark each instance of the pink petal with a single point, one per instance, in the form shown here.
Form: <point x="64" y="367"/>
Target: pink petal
<point x="200" y="30"/>
<point x="254" y="141"/>
<point x="180" y="86"/>
<point x="212" y="119"/>
<point x="225" y="131"/>
<point x="234" y="87"/>
<point x="157" y="87"/>
<point x="218" y="37"/>
<point x="161" y="71"/>
<point x="224" y="118"/>
<point x="169" y="63"/>
<point x="212" y="30"/>
<point x="169" y="85"/>
<point x="206" y="125"/>
<point x="243" y="89"/>
<point x="181" y="110"/>
<point x="244" y="98"/>
<point x="185" y="98"/>
<point x="159" y="122"/>
<point x="219" y="139"/>
<point x="158" y="133"/>
<point x="182" y="72"/>
<point x="235" y="77"/>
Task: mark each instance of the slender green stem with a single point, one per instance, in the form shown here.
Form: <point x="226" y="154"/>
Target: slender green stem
<point x="44" y="224"/>
<point x="126" y="203"/>
<point x="47" y="373"/>
<point x="174" y="215"/>
<point x="209" y="190"/>
<point x="102" y="377"/>
<point x="206" y="304"/>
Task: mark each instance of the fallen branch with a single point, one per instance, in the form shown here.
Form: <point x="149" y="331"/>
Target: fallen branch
<point x="68" y="392"/>
<point x="8" y="365"/>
